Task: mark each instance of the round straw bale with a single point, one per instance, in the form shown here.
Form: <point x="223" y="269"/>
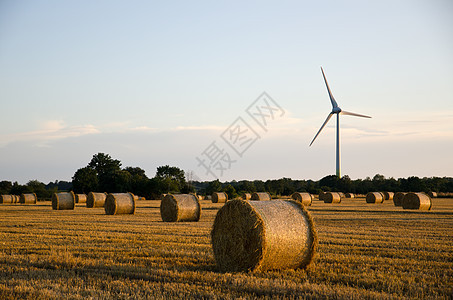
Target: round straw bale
<point x="120" y="204"/>
<point x="398" y="198"/>
<point x="374" y="197"/>
<point x="180" y="208"/>
<point x="341" y="194"/>
<point x="263" y="235"/>
<point x="16" y="198"/>
<point x="388" y="195"/>
<point x="61" y="201"/>
<point x="432" y="194"/>
<point x="332" y="197"/>
<point x="349" y="195"/>
<point x="7" y="199"/>
<point x="219" y="197"/>
<point x="96" y="199"/>
<point x="247" y="196"/>
<point x="305" y="198"/>
<point x="417" y="201"/>
<point x="28" y="198"/>
<point x="264" y="196"/>
<point x="80" y="198"/>
<point x="322" y="196"/>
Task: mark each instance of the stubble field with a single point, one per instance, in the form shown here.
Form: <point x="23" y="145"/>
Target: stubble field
<point x="365" y="251"/>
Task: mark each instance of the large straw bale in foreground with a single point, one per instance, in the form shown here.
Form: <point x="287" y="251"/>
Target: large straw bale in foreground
<point x="180" y="208"/>
<point x="28" y="198"/>
<point x="80" y="198"/>
<point x="62" y="201"/>
<point x="7" y="199"/>
<point x="263" y="235"/>
<point x="263" y="196"/>
<point x="398" y="198"/>
<point x="305" y="198"/>
<point x="219" y="197"/>
<point x="374" y="197"/>
<point x="120" y="204"/>
<point x="388" y="195"/>
<point x="96" y="199"/>
<point x="332" y="197"/>
<point x="417" y="201"/>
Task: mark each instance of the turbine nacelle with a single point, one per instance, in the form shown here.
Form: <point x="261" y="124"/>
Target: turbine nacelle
<point x="336" y="110"/>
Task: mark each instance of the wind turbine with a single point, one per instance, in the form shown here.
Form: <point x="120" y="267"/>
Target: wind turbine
<point x="335" y="110"/>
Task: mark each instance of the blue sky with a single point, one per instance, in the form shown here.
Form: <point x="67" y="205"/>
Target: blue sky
<point x="155" y="83"/>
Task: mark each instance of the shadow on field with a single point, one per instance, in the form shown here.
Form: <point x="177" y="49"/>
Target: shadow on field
<point x="389" y="212"/>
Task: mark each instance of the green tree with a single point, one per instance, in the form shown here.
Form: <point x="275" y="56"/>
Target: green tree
<point x="231" y="191"/>
<point x="170" y="179"/>
<point x="107" y="170"/>
<point x="85" y="180"/>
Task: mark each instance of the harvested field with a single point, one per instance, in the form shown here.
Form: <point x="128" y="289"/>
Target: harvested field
<point x="364" y="251"/>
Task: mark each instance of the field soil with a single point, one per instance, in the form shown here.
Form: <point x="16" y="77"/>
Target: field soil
<point x="371" y="251"/>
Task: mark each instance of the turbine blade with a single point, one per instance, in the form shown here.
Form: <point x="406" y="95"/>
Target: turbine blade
<point x="353" y="114"/>
<point x="332" y="99"/>
<point x="324" y="124"/>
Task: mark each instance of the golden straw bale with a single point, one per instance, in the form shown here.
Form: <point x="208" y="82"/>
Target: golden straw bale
<point x="7" y="199"/>
<point x="28" y="198"/>
<point x="349" y="195"/>
<point x="180" y="208"/>
<point x="322" y="196"/>
<point x="219" y="197"/>
<point x="432" y="194"/>
<point x="263" y="196"/>
<point x="80" y="198"/>
<point x="120" y="204"/>
<point x="374" y="197"/>
<point x="341" y="195"/>
<point x="96" y="199"/>
<point x="388" y="195"/>
<point x="247" y="196"/>
<point x="417" y="201"/>
<point x="398" y="198"/>
<point x="61" y="201"/>
<point x="16" y="198"/>
<point x="305" y="198"/>
<point x="332" y="197"/>
<point x="263" y="235"/>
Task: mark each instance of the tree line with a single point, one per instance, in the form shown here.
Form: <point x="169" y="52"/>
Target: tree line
<point x="105" y="174"/>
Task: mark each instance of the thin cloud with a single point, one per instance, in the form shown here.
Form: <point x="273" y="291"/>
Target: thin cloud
<point x="49" y="131"/>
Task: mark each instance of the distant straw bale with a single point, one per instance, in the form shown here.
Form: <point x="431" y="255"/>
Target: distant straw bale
<point x="432" y="194"/>
<point x="180" y="208"/>
<point x="247" y="196"/>
<point x="96" y="199"/>
<point x="322" y="196"/>
<point x="7" y="199"/>
<point x="62" y="201"/>
<point x="305" y="198"/>
<point x="342" y="195"/>
<point x="388" y="195"/>
<point x="332" y="197"/>
<point x="81" y="198"/>
<point x="28" y="198"/>
<point x="349" y="195"/>
<point x="374" y="197"/>
<point x="263" y="235"/>
<point x="417" y="201"/>
<point x="219" y="197"/>
<point x="120" y="204"/>
<point x="263" y="196"/>
<point x="398" y="198"/>
<point x="16" y="198"/>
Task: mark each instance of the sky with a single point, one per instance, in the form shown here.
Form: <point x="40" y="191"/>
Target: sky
<point x="181" y="83"/>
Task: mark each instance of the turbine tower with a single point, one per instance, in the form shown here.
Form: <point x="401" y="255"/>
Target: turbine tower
<point x="335" y="110"/>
